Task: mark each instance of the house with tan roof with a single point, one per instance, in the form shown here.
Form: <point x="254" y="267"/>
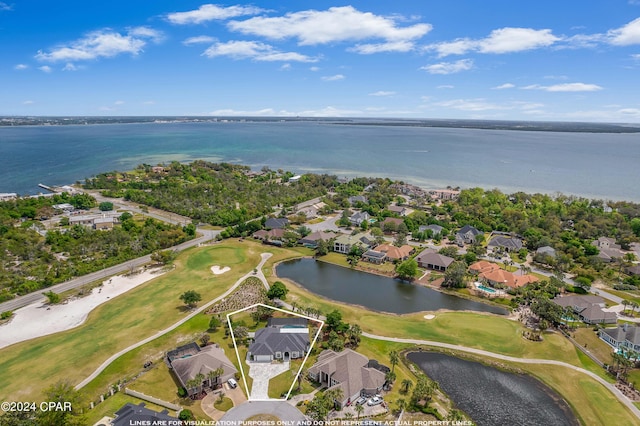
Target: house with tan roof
<point x="350" y="371"/>
<point x="493" y="275"/>
<point x="191" y="362"/>
<point x="430" y="259"/>
<point x="394" y="253"/>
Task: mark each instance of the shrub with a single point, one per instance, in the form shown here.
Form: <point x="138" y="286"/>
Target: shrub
<point x="182" y="393"/>
<point x="6" y="315"/>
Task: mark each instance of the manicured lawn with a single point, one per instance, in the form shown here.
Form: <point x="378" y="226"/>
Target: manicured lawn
<point x="628" y="295"/>
<point x="595" y="345"/>
<point x="28" y="367"/>
<point x="341" y="260"/>
<point x="114" y="403"/>
<point x="223" y="405"/>
<point x="281" y="383"/>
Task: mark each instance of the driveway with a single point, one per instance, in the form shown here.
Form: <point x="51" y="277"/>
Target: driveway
<point x="279" y="409"/>
<point x="327" y="225"/>
<point x="261" y="373"/>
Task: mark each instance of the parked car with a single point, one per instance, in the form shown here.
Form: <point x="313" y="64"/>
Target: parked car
<point x="361" y="400"/>
<point x="232" y="383"/>
<point x="374" y="401"/>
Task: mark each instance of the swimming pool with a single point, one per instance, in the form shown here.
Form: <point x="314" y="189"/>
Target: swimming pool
<point x="487" y="289"/>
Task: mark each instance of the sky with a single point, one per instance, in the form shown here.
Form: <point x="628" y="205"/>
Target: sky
<point x="568" y="60"/>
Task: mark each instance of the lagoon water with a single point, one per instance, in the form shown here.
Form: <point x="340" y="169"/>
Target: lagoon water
<point x="492" y="397"/>
<point x="598" y="165"/>
<point x="372" y="291"/>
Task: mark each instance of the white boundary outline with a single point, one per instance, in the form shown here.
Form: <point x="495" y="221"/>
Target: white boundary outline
<point x="235" y="346"/>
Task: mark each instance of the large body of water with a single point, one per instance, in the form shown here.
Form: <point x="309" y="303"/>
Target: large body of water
<point x="373" y="291"/>
<point x="493" y="397"/>
<point x="598" y="165"/>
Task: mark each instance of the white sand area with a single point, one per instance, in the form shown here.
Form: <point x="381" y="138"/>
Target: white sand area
<point x="39" y="319"/>
<point x="218" y="270"/>
<point x="429" y="316"/>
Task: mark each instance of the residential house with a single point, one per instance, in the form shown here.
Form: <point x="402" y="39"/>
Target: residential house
<point x="190" y="361"/>
<point x="493" y="275"/>
<point x="63" y="208"/>
<point x="394" y="253"/>
<point x="280" y="340"/>
<point x="588" y="308"/>
<point x="391" y="223"/>
<point x="130" y="414"/>
<point x="349" y="371"/>
<point x="429" y="259"/>
<point x="312" y="239"/>
<point x="634" y="270"/>
<point x="399" y="210"/>
<point x="344" y="242"/>
<point x="502" y="242"/>
<point x="90" y="220"/>
<point x="358" y="217"/>
<point x="546" y="251"/>
<point x="623" y="338"/>
<point x="8" y="196"/>
<point x="103" y="223"/>
<point x="357" y="199"/>
<point x="276" y="223"/>
<point x="373" y="256"/>
<point x="270" y="235"/>
<point x="467" y="235"/>
<point x="435" y="229"/>
<point x="444" y="194"/>
<point x="608" y="249"/>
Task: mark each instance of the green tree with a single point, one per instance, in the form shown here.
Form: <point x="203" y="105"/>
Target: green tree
<point x="407" y="270"/>
<point x="635" y="226"/>
<point x="164" y="257"/>
<point x="406" y="385"/>
<point x="394" y="358"/>
<point x="454" y="275"/>
<point x="185" y="415"/>
<point x="190" y="230"/>
<point x="334" y="320"/>
<point x="322" y="248"/>
<point x="359" y="411"/>
<point x="214" y="323"/>
<point x="277" y="291"/>
<point x="53" y="298"/>
<point x="190" y="298"/>
<point x="106" y="206"/>
<point x="62" y="392"/>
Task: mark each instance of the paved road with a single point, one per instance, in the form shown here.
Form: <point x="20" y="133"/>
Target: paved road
<point x="280" y="409"/>
<point x="621" y="397"/>
<point x="100" y="369"/>
<point x="37" y="296"/>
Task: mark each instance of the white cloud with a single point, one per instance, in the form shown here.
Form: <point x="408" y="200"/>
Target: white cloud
<point x="503" y="40"/>
<point x="198" y="40"/>
<point x="101" y="44"/>
<point x="565" y="87"/>
<point x="5" y="7"/>
<point x="211" y="12"/>
<point x="314" y="69"/>
<point x="626" y="35"/>
<point x="556" y="77"/>
<point x="470" y="105"/>
<point x="336" y="24"/>
<point x="45" y="68"/>
<point x="270" y="112"/>
<point x="636" y="56"/>
<point x="254" y="50"/>
<point x="504" y="86"/>
<point x="118" y="103"/>
<point x="285" y="67"/>
<point x="328" y="111"/>
<point x="28" y="103"/>
<point x="336" y="77"/>
<point x="395" y="46"/>
<point x="445" y="86"/>
<point x="382" y="93"/>
<point x="69" y="67"/>
<point x="21" y="67"/>
<point x="449" y="67"/>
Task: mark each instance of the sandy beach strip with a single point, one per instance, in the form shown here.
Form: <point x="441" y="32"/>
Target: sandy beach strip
<point x="40" y="319"/>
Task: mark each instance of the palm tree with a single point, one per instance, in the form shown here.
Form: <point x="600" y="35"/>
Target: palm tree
<point x="191" y="384"/>
<point x="406" y="385"/>
<point x="393" y="359"/>
<point x="348" y="415"/>
<point x="301" y="376"/>
<point x="634" y="305"/>
<point x="625" y="303"/>
<point x="402" y="404"/>
<point x="359" y="411"/>
<point x="390" y="377"/>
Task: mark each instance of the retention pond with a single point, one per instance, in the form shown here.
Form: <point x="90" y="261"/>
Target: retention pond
<point x="372" y="291"/>
<point x="495" y="397"/>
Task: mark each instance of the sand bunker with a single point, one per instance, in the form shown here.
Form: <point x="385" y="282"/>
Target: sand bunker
<point x="39" y="319"/>
<point x="218" y="270"/>
<point x="429" y="316"/>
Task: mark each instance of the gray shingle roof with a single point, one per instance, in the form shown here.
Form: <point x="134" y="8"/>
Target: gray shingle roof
<point x="208" y="359"/>
<point x="270" y="340"/>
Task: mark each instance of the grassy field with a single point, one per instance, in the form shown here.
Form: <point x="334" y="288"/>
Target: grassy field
<point x="31" y="366"/>
<point x="341" y="260"/>
<point x="282" y="382"/>
<point x="588" y="338"/>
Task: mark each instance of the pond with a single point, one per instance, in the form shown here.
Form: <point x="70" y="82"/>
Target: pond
<point x="373" y="291"/>
<point x="494" y="397"/>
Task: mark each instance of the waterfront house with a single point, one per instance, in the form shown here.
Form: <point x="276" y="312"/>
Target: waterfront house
<point x="429" y="259"/>
<point x="588" y="308"/>
<point x="349" y="371"/>
<point x="493" y="275"/>
<point x="444" y="194"/>
<point x="344" y="242"/>
<point x="373" y="256"/>
<point x="312" y="239"/>
<point x="282" y="339"/>
<point x="394" y="253"/>
<point x="191" y="362"/>
<point x="276" y="223"/>
<point x="624" y="337"/>
<point x="270" y="235"/>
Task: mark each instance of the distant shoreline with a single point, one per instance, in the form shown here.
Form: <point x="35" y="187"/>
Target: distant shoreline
<point x="531" y="126"/>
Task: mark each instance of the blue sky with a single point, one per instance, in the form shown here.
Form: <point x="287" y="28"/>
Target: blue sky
<point x="555" y="60"/>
